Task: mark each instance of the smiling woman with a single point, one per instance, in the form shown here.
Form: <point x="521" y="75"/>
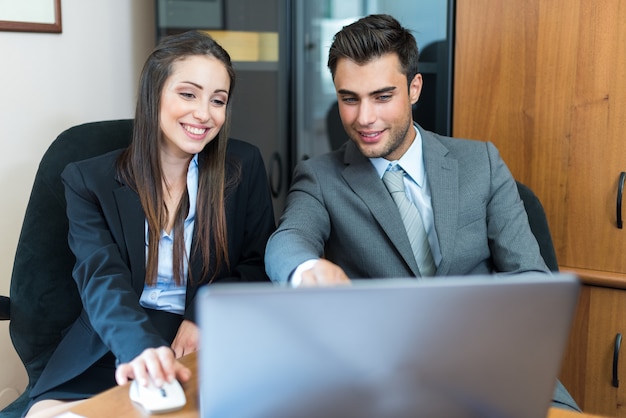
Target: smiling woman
<point x="31" y="16"/>
<point x="183" y="206"/>
<point x="193" y="104"/>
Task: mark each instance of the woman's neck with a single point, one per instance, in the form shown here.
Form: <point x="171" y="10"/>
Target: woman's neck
<point x="174" y="184"/>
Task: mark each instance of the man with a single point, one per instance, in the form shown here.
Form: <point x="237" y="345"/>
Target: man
<point x="339" y="208"/>
<point x="341" y="221"/>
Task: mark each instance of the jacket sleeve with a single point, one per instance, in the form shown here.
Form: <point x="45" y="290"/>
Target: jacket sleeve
<point x="101" y="273"/>
<point x="303" y="229"/>
<point x="513" y="247"/>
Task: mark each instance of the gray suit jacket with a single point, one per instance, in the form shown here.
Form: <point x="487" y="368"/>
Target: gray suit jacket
<point x="339" y="208"/>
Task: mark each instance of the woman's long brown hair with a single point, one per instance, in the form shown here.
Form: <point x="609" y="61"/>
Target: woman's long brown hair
<point x="139" y="166"/>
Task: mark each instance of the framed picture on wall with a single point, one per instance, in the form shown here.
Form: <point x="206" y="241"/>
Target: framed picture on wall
<point x="30" y="15"/>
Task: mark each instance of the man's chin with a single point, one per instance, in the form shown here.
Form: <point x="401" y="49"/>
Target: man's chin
<point x="372" y="150"/>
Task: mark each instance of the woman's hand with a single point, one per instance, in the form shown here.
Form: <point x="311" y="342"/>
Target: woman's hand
<point x="156" y="364"/>
<point x="187" y="339"/>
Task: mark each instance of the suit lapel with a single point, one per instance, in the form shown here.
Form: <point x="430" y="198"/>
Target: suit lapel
<point x="195" y="270"/>
<point x="364" y="181"/>
<point x="133" y="219"/>
<point x="442" y="173"/>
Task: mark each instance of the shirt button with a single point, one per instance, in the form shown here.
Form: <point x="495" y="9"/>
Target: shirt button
<point x="153" y="296"/>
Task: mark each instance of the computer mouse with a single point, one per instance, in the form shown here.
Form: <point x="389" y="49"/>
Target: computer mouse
<point x="157" y="400"/>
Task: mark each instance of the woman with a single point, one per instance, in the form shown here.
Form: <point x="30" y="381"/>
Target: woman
<point x="181" y="207"/>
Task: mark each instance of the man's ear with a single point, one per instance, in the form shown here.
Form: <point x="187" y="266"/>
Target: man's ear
<point x="415" y="88"/>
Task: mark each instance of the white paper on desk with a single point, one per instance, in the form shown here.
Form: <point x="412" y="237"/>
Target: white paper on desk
<point x="69" y="415"/>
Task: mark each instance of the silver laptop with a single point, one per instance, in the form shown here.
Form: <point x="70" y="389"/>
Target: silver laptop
<point x="453" y="347"/>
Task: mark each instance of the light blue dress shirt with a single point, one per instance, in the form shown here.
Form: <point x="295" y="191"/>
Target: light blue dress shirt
<point x="166" y="295"/>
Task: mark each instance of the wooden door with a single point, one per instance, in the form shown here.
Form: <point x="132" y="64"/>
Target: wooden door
<point x="589" y="362"/>
<point x="545" y="80"/>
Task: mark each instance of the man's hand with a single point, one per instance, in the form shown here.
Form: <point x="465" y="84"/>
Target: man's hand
<point x="324" y="273"/>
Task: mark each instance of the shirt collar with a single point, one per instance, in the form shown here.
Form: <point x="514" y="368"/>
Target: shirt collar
<point x="192" y="187"/>
<point x="412" y="161"/>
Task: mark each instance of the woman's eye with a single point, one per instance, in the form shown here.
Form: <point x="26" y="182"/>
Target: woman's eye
<point x="219" y="102"/>
<point x="187" y="95"/>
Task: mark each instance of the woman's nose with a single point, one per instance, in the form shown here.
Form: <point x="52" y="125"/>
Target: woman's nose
<point x="202" y="113"/>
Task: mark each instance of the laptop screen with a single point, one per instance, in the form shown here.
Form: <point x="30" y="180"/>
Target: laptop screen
<point x="476" y="346"/>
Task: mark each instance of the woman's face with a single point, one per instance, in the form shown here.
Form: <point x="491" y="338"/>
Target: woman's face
<point x="193" y="105"/>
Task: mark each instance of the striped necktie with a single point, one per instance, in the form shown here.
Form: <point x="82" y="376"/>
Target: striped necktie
<point x="393" y="179"/>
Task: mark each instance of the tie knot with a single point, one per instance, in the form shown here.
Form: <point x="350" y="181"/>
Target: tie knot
<point x="395" y="168"/>
<point x="394" y="179"/>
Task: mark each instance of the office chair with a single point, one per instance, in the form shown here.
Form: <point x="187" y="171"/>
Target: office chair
<point x="5" y="306"/>
<point x="334" y="128"/>
<point x="43" y="296"/>
<point x="539" y="225"/>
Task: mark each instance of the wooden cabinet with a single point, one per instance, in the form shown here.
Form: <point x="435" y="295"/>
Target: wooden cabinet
<point x="596" y="362"/>
<point x="545" y="80"/>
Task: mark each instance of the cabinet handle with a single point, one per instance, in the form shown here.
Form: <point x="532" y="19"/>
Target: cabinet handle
<point x="620" y="191"/>
<point x="618" y="343"/>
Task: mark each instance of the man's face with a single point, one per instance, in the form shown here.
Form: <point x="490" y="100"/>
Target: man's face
<point x="375" y="105"/>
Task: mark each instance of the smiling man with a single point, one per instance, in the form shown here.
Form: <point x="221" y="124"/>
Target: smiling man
<point x="397" y="200"/>
<point x="453" y="208"/>
<point x="341" y="221"/>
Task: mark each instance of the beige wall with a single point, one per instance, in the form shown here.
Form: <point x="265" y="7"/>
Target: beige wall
<point x="49" y="82"/>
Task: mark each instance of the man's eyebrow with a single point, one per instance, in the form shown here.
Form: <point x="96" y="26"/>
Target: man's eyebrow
<point x="383" y="90"/>
<point x="373" y="93"/>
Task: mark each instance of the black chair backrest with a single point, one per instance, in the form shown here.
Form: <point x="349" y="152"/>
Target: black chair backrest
<point x="334" y="128"/>
<point x="5" y="304"/>
<point x="539" y="225"/>
<point x="44" y="298"/>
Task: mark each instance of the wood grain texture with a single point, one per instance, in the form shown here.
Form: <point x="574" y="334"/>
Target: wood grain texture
<point x="575" y="358"/>
<point x="545" y="80"/>
<point x="116" y="402"/>
<point x="608" y="316"/>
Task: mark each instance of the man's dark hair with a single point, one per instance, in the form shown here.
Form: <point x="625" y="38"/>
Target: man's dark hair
<point x="372" y="37"/>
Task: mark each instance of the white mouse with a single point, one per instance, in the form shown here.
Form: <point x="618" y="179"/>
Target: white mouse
<point x="168" y="398"/>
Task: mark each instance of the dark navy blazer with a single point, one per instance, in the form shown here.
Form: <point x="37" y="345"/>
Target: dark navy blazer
<point x="107" y="237"/>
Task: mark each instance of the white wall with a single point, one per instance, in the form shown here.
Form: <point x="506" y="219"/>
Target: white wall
<point x="49" y="82"/>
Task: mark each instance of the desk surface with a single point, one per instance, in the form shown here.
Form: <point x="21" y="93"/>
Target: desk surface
<point x="116" y="403"/>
